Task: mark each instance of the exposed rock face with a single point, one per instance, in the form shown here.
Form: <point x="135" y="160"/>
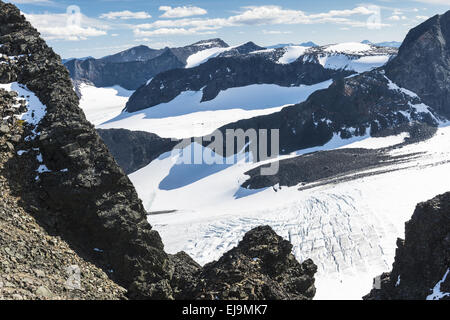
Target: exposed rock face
<point x="423" y="63"/>
<point x="132" y="68"/>
<point x="139" y="53"/>
<point x="129" y="75"/>
<point x="367" y="103"/>
<point x="65" y="200"/>
<point x="226" y="72"/>
<point x="133" y="150"/>
<point x="422" y="260"/>
<point x="260" y="267"/>
<point x="246" y="65"/>
<point x="33" y="262"/>
<point x="318" y="167"/>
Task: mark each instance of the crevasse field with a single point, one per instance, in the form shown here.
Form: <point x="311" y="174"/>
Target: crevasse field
<point x="348" y="228"/>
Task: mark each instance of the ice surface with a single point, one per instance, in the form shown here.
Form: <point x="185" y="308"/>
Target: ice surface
<point x="349" y="48"/>
<point x="186" y="116"/>
<point x="102" y="104"/>
<point x="349" y="229"/>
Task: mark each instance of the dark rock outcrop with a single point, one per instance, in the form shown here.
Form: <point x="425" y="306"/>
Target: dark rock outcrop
<point x="422" y="260"/>
<point x="423" y="63"/>
<point x="139" y="53"/>
<point x="133" y="150"/>
<point x="129" y="75"/>
<point x="222" y="73"/>
<point x="313" y="167"/>
<point x="350" y="107"/>
<point x="260" y="267"/>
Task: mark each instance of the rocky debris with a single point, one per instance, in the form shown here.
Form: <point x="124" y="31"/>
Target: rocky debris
<point x="33" y="263"/>
<point x="260" y="267"/>
<point x="132" y="68"/>
<point x="185" y="275"/>
<point x="133" y="150"/>
<point x="422" y="260"/>
<point x="338" y="164"/>
<point x="423" y="63"/>
<point x="317" y="166"/>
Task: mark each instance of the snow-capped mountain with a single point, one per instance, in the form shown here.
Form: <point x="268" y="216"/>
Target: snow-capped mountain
<point x="381" y="130"/>
<point x="248" y="65"/>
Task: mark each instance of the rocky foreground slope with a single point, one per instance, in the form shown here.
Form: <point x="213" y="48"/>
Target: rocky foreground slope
<point x="422" y="261"/>
<point x="63" y="192"/>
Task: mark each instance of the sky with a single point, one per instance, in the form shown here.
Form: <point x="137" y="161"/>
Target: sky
<point x="80" y="28"/>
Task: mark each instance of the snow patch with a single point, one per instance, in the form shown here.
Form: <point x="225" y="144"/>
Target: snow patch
<point x="35" y="109"/>
<point x="437" y="293"/>
<point x="102" y="104"/>
<point x="186" y="116"/>
<point x="345" y="62"/>
<point x="292" y="54"/>
<point x="349" y="48"/>
<point x="202" y="56"/>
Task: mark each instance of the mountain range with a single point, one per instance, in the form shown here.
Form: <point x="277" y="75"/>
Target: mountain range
<point x="95" y="181"/>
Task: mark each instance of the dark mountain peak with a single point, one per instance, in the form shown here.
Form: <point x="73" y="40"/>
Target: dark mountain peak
<point x="309" y="44"/>
<point x="248" y="47"/>
<point x="411" y="69"/>
<point x="216" y="42"/>
<point x="138" y="53"/>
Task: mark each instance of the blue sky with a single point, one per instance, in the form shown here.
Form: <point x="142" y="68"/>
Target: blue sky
<point x="98" y="28"/>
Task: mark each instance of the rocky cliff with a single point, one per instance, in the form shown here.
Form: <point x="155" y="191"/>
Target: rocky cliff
<point x="422" y="261"/>
<point x="62" y="189"/>
<point x="133" y="150"/>
<point x="423" y="63"/>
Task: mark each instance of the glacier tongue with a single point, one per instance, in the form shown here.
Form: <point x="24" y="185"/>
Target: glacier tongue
<point x="349" y="229"/>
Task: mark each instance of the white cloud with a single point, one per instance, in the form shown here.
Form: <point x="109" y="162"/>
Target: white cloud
<point x="444" y="2"/>
<point x="181" y="12"/>
<point x="259" y="15"/>
<point x="59" y="27"/>
<point x="125" y="15"/>
<point x="171" y="32"/>
<point x="276" y="32"/>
